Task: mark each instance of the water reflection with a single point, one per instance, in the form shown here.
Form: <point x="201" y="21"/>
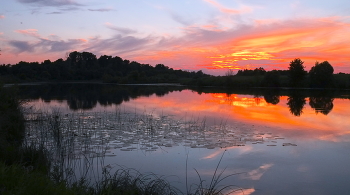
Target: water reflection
<point x="272" y="97"/>
<point x="296" y="102"/>
<point x="321" y="102"/>
<point x="259" y="120"/>
<point x="86" y="96"/>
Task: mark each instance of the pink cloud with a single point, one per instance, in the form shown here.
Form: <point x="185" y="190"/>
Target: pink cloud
<point x="2" y="16"/>
<point x="274" y="43"/>
<point x="271" y="44"/>
<point x="29" y="32"/>
<point x="223" y="9"/>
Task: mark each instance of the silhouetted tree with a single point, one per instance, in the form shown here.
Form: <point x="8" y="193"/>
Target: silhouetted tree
<point x="255" y="72"/>
<point x="161" y="67"/>
<point x="296" y="103"/>
<point x="229" y="73"/>
<point x="321" y="75"/>
<point x="296" y="72"/>
<point x="105" y="61"/>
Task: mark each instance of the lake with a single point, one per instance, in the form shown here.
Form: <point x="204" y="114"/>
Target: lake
<point x="273" y="141"/>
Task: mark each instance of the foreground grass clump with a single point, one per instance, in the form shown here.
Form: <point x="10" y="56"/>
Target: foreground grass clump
<point x="130" y="181"/>
<point x="16" y="179"/>
<point x="12" y="125"/>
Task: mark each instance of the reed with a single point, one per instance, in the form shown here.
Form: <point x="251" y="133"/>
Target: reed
<point x="214" y="187"/>
<point x="71" y="149"/>
<point x="130" y="181"/>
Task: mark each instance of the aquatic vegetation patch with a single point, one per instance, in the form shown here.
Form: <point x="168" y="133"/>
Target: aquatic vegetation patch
<point x="102" y="133"/>
<point x="78" y="144"/>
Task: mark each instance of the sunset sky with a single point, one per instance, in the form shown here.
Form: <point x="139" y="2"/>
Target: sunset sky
<point x="208" y="35"/>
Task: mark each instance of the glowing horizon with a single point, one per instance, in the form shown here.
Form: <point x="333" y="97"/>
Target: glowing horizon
<point x="209" y="35"/>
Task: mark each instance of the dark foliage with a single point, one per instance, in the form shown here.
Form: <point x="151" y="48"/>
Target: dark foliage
<point x="11" y="118"/>
<point x="255" y="72"/>
<point x="271" y="79"/>
<point x="85" y="66"/>
<point x="321" y="75"/>
<point x="12" y="130"/>
<point x="296" y="72"/>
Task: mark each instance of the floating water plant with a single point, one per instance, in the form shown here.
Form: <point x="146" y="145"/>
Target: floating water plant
<point x="79" y="142"/>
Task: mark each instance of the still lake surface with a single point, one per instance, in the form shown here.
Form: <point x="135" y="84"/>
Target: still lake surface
<point x="280" y="142"/>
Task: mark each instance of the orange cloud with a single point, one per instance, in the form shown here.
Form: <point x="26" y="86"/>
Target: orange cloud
<point x="273" y="44"/>
<point x="83" y="40"/>
<point x="270" y="43"/>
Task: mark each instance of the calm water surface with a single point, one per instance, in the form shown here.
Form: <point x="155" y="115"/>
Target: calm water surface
<point x="280" y="143"/>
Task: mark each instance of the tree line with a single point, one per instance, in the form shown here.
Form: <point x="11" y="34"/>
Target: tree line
<point x="85" y="66"/>
<point x="321" y="75"/>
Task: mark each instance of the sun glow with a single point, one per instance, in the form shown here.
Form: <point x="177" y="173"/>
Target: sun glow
<point x="271" y="45"/>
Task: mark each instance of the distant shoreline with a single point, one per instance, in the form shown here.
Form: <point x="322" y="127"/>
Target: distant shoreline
<point x="91" y="82"/>
<point x="169" y="84"/>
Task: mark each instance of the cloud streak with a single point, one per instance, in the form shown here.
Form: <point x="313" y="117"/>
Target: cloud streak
<point x="21" y="46"/>
<point x="55" y="13"/>
<point x="52" y="3"/>
<point x="223" y="9"/>
<point x="29" y="32"/>
<point x="120" y="29"/>
<point x="125" y="45"/>
<point x="275" y="43"/>
<point x="44" y="45"/>
<point x="120" y="44"/>
<point x="270" y="43"/>
<point x="101" y="10"/>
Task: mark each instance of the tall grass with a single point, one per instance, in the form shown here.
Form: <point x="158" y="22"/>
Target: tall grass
<point x="43" y="158"/>
<point x="214" y="187"/>
<point x="12" y="130"/>
<point x="15" y="179"/>
<point x="130" y="181"/>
